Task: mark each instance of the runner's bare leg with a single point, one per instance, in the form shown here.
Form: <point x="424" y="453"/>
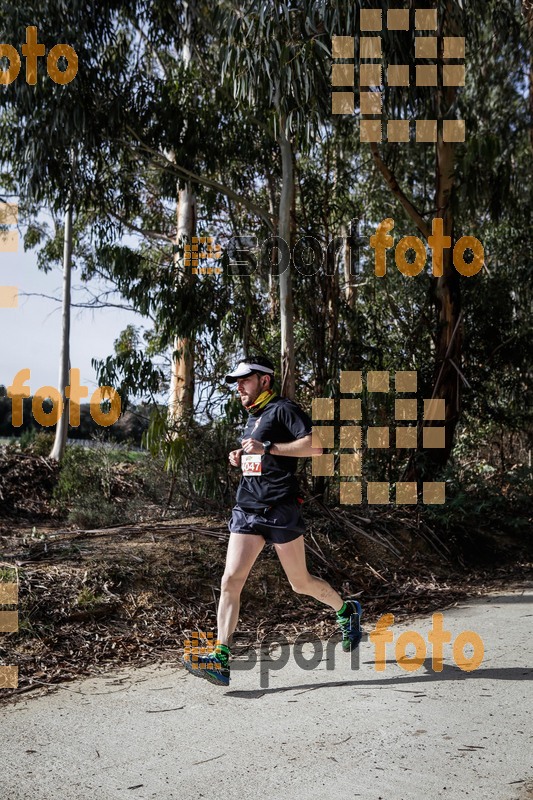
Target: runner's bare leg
<point x="243" y="549"/>
<point x="292" y="557"/>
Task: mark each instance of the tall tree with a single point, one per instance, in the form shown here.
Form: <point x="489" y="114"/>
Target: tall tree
<point x="43" y="122"/>
<point x="181" y="400"/>
<point x="61" y="434"/>
<point x="274" y="62"/>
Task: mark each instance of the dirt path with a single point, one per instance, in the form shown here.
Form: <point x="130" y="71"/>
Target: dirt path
<point x="340" y="730"/>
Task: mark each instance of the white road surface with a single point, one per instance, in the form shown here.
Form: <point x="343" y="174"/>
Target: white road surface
<point x="347" y="732"/>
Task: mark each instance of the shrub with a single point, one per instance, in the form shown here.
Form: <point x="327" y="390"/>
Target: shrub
<point x="84" y="488"/>
<point x="41" y="444"/>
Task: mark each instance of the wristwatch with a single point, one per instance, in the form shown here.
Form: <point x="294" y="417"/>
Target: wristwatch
<point x="266" y="447"/>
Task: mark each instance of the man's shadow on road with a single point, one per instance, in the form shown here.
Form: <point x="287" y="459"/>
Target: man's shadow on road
<point x="449" y="673"/>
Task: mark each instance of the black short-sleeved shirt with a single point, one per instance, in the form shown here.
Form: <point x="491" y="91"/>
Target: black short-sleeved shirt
<point x="280" y="421"/>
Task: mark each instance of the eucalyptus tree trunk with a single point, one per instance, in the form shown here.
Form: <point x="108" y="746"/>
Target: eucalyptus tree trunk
<point x="447" y="295"/>
<point x="286" y="308"/>
<point x="448" y="347"/>
<point x="60" y="441"/>
<point x="272" y="289"/>
<point x="332" y="274"/>
<point x="181" y="399"/>
<point x="527" y="11"/>
<point x="349" y="233"/>
<point x="446" y="288"/>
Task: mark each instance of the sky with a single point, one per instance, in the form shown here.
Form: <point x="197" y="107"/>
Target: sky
<point x="30" y="335"/>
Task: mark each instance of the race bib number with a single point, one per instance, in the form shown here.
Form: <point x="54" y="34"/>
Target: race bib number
<point x="251" y="464"/>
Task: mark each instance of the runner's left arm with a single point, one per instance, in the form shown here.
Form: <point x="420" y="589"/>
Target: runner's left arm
<point x="299" y="448"/>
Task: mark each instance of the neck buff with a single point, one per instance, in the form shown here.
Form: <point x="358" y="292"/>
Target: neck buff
<point x="264" y="398"/>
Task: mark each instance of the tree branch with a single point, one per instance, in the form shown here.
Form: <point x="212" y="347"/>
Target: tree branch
<point x="95" y="303"/>
<point x="156" y="235"/>
<point x="394" y="186"/>
<point x="209" y="182"/>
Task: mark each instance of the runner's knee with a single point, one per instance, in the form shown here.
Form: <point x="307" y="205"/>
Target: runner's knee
<point x="232" y="582"/>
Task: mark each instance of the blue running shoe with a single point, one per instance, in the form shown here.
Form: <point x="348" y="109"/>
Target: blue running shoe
<point x="209" y="667"/>
<point x="350" y="625"/>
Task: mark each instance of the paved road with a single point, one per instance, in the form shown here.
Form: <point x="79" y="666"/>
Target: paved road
<point x="326" y="733"/>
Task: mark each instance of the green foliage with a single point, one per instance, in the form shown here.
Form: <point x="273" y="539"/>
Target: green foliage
<point x="27" y="438"/>
<point x="84" y="487"/>
<point x="491" y="501"/>
<point x="41" y="443"/>
<point x="87" y="599"/>
<point x="129" y="371"/>
<point x="489" y="485"/>
<point x="8" y="574"/>
<point x="266" y="58"/>
<point x="40" y="124"/>
<point x="196" y="456"/>
<point x="161" y="438"/>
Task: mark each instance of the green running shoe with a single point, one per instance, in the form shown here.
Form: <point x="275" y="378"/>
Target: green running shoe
<point x="209" y="667"/>
<point x="350" y="625"/>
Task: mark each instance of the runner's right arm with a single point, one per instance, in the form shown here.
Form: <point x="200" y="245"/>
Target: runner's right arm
<point x="235" y="457"/>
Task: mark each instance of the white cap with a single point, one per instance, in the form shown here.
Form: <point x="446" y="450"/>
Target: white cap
<point x="244" y="369"/>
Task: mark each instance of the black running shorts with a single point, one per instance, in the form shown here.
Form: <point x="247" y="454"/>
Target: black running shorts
<point x="277" y="524"/>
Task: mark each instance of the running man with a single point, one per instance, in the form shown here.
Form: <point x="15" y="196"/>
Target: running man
<point x="267" y="509"/>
